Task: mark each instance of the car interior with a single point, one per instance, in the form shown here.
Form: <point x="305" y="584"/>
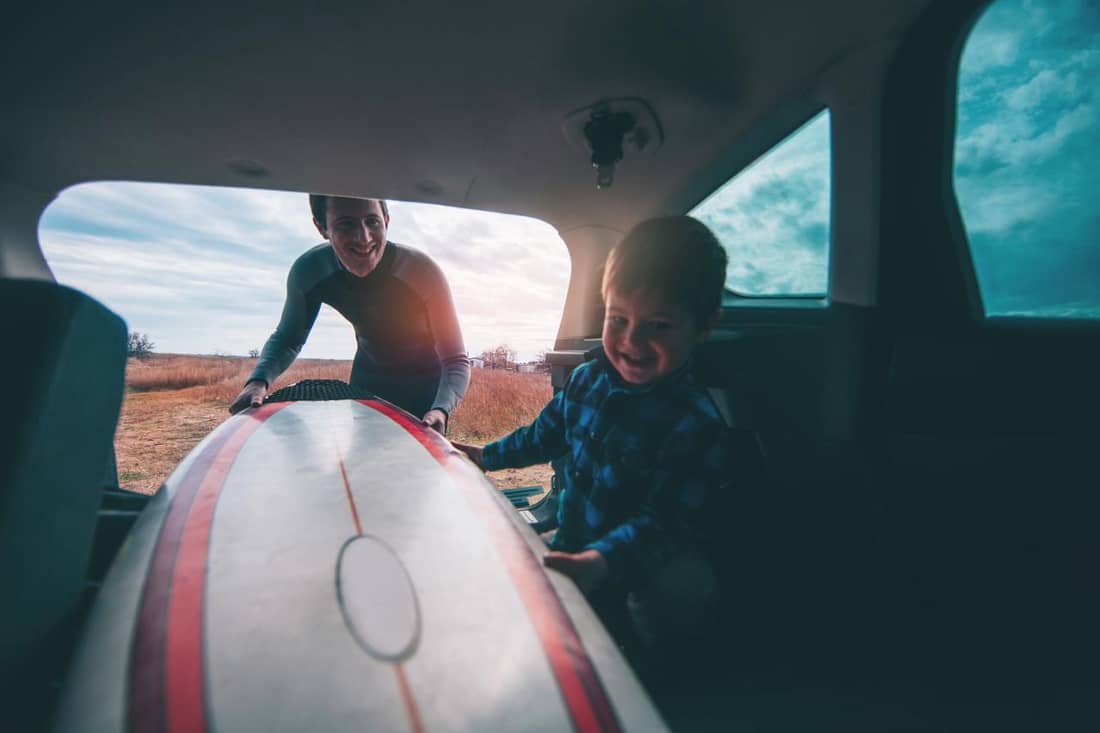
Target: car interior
<point x="912" y="544"/>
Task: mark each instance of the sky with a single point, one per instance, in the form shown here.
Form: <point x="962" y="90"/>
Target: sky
<point x="1027" y="156"/>
<point x="202" y="270"/>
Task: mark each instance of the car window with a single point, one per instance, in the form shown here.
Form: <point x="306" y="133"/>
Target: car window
<point x="1026" y="157"/>
<point x="203" y="269"/>
<point x="773" y="217"/>
<point x="200" y="275"/>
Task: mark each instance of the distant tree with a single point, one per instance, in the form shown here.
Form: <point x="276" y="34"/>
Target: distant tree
<point x="254" y="353"/>
<point x="541" y="360"/>
<point x="504" y="357"/>
<point x="139" y="345"/>
<point x="499" y="357"/>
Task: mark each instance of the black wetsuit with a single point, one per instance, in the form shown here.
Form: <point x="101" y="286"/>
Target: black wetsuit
<point x="410" y="348"/>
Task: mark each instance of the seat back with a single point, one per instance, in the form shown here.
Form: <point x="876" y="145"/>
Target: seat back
<point x="800" y="520"/>
<point x="991" y="446"/>
<point x="64" y="373"/>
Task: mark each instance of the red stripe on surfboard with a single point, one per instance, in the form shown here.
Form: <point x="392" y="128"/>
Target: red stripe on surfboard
<point x="432" y="441"/>
<point x="347" y="490"/>
<point x="581" y="688"/>
<point x="410" y="701"/>
<point x="167" y="690"/>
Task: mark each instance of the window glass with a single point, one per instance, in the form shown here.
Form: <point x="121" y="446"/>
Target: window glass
<point x="773" y="217"/>
<point x="1026" y="157"/>
<point x="203" y="270"/>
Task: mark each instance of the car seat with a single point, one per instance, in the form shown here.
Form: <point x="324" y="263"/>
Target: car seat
<point x="64" y="376"/>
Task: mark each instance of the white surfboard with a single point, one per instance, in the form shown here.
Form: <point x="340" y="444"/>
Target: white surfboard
<point x="337" y="566"/>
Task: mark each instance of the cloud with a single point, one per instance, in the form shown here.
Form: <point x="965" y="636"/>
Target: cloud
<point x="999" y="210"/>
<point x="1045" y="86"/>
<point x="999" y="48"/>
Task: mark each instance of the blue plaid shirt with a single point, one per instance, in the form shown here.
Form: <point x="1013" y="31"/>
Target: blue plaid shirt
<point x="641" y="461"/>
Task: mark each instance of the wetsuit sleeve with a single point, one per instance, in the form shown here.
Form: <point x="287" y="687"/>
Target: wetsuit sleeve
<point x="282" y="347"/>
<point x="454" y="363"/>
<point x="690" y="466"/>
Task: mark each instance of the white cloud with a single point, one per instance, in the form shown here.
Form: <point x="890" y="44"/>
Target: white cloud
<point x="994" y="48"/>
<point x="1047" y="86"/>
<point x="1018" y="140"/>
<point x="999" y="209"/>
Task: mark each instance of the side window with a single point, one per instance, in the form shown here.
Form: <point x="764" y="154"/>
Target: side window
<point x="773" y="217"/>
<point x="1026" y="157"/>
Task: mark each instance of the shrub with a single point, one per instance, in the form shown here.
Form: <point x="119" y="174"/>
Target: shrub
<point x="139" y="345"/>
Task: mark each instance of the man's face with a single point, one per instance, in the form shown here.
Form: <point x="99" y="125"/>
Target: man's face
<point x="357" y="230"/>
<point x="646" y="336"/>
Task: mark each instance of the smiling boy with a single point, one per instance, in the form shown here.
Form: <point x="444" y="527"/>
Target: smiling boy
<point x="642" y="439"/>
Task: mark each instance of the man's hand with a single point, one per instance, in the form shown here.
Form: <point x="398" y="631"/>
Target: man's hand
<point x="587" y="569"/>
<point x="435" y="419"/>
<point x="251" y="396"/>
<point x="473" y="452"/>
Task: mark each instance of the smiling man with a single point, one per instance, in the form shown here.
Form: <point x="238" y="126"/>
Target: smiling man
<point x="409" y="346"/>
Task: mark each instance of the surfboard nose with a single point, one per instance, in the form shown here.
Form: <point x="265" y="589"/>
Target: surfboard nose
<point x="377" y="599"/>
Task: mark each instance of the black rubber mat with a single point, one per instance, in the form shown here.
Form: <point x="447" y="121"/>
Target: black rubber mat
<point x="318" y="390"/>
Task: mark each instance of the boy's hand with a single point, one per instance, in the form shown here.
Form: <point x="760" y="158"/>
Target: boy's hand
<point x="473" y="452"/>
<point x="251" y="396"/>
<point x="587" y="569"/>
<point x="435" y="419"/>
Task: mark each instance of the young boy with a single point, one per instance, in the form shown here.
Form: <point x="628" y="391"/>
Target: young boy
<point x="642" y="439"/>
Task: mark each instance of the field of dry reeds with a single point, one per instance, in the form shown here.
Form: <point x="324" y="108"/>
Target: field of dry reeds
<point x="173" y="400"/>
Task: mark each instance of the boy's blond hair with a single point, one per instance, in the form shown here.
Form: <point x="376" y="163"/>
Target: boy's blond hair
<point x="675" y="256"/>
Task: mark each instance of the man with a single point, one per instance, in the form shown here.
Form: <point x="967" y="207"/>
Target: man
<point x="410" y="348"/>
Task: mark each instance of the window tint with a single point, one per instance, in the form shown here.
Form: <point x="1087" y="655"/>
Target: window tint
<point x="1027" y="155"/>
<point x="773" y="217"/>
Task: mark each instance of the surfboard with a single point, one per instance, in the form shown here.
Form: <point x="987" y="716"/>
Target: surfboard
<point x="335" y="566"/>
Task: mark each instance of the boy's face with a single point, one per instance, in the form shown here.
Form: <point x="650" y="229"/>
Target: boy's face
<point x="357" y="230"/>
<point x="646" y="336"/>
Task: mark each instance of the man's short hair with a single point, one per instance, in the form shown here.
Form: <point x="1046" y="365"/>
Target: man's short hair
<point x="318" y="202"/>
<point x="676" y="256"/>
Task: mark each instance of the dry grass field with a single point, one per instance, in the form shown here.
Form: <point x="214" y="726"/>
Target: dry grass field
<point x="173" y="401"/>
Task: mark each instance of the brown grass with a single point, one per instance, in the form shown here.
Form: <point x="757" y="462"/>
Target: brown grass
<point x="497" y="402"/>
<point x="173" y="401"/>
<point x="220" y="377"/>
<point x="155" y="431"/>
